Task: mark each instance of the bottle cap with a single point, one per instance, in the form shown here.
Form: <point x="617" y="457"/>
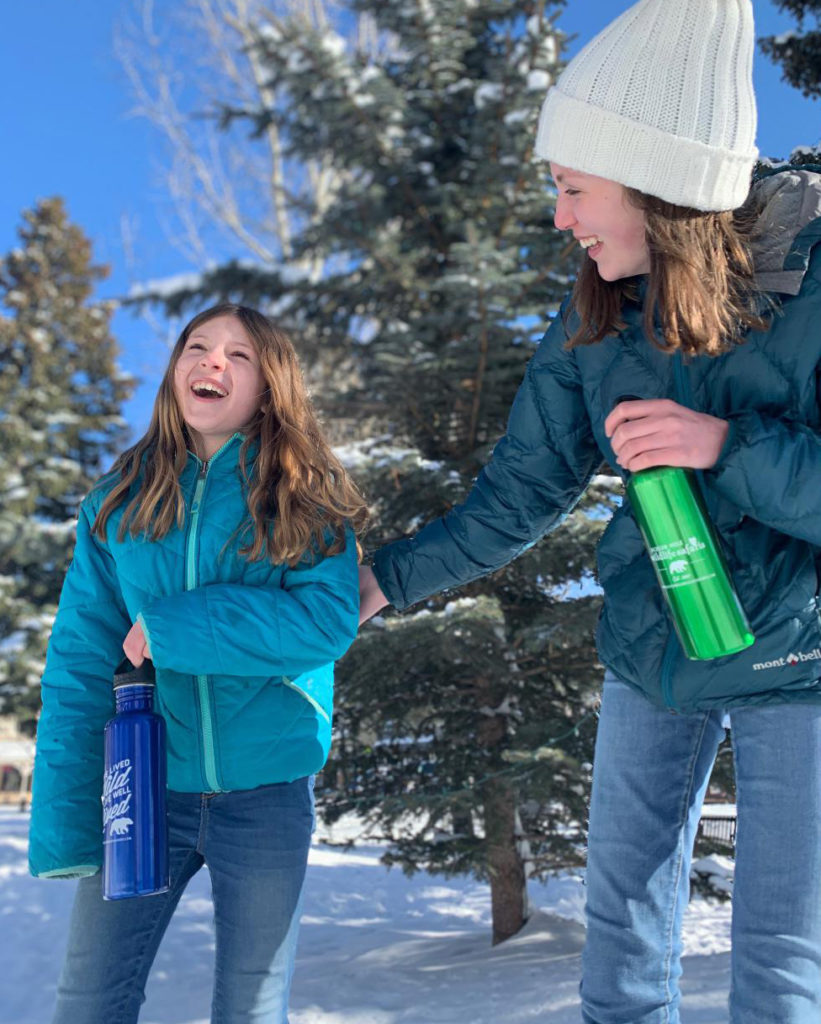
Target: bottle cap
<point x="127" y="674"/>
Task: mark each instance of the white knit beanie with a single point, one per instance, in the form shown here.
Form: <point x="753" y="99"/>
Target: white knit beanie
<point x="661" y="101"/>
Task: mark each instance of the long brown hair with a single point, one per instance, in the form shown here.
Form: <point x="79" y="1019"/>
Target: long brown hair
<point x="700" y="297"/>
<point x="300" y="497"/>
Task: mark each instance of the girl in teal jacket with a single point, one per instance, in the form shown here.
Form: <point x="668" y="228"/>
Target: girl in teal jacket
<point x="222" y="547"/>
<point x="701" y="297"/>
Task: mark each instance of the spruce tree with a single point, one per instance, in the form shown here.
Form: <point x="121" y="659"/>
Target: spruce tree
<point x="464" y="729"/>
<point x="60" y="396"/>
<point x="798" y="52"/>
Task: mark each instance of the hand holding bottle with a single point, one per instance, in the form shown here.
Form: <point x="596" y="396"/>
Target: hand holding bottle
<point x="660" y="432"/>
<point x="135" y="826"/>
<point x="135" y="645"/>
<point x="684" y="548"/>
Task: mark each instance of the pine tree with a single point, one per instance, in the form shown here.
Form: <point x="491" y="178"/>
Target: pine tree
<point x="60" y="396"/>
<point x="464" y="729"/>
<point x="799" y="54"/>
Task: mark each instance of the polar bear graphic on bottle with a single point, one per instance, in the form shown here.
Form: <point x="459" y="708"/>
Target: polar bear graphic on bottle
<point x="120" y="826"/>
<point x="678" y="562"/>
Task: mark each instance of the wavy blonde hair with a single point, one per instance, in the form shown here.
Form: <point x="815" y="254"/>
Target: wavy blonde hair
<point x="300" y="497"/>
<point x="701" y="297"/>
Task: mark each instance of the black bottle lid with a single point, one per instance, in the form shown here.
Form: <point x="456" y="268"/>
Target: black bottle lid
<point x="127" y="674"/>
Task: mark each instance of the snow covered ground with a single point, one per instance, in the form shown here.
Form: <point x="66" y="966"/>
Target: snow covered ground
<point x="376" y="947"/>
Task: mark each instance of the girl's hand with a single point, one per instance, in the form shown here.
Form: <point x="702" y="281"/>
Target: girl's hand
<point x="135" y="647"/>
<point x="660" y="432"/>
<point x="371" y="598"/>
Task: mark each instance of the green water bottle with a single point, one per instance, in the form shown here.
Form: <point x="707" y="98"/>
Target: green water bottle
<point x="687" y="557"/>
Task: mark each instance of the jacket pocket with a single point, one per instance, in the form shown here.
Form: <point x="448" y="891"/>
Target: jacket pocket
<point x="294" y="685"/>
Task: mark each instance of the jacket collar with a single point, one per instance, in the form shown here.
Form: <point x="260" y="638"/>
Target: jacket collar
<point x="224" y="458"/>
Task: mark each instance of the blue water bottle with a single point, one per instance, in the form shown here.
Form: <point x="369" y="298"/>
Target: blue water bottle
<point x="135" y="828"/>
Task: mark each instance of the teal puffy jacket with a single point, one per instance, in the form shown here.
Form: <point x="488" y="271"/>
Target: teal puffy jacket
<point x="243" y="653"/>
<point x="764" y="493"/>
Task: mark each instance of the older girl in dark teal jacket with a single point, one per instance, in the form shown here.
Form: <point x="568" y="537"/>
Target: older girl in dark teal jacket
<point x="220" y="546"/>
<point x="703" y="299"/>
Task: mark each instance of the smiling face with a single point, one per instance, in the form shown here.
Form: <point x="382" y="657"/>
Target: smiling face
<point x="603" y="222"/>
<point x="218" y="382"/>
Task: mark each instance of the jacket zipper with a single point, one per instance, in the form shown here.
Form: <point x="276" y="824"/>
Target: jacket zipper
<point x="683" y="395"/>
<point x="671" y="650"/>
<point x="681" y="386"/>
<point x="203" y="690"/>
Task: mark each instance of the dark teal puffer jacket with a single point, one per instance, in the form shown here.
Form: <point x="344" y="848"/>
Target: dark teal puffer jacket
<point x="764" y="493"/>
<point x="243" y="653"/>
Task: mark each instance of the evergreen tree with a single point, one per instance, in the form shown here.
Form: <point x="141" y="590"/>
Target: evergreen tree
<point x="465" y="729"/>
<point x="798" y="52"/>
<point x="60" y="396"/>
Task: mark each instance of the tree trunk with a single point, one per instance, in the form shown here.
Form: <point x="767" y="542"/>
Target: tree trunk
<point x="508" y="883"/>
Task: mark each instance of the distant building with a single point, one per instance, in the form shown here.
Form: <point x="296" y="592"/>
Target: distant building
<point x="16" y="763"/>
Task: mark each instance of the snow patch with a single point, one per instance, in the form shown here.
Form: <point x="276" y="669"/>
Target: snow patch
<point x="376" y="947"/>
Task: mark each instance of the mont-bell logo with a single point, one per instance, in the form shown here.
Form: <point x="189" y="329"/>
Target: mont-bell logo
<point x="793" y="658"/>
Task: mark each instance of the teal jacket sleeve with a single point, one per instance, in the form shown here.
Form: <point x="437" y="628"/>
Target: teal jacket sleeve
<point x="238" y="630"/>
<point x="771" y="470"/>
<point x="84" y="649"/>
<point x="537" y="473"/>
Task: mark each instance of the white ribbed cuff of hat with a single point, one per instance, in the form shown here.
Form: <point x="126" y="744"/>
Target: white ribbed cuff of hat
<point x="587" y="138"/>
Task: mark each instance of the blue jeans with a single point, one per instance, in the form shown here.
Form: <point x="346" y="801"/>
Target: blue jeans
<point x="255" y="844"/>
<point x="650" y="775"/>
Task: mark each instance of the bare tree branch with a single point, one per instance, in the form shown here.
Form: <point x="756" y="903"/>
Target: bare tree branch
<point x="226" y="187"/>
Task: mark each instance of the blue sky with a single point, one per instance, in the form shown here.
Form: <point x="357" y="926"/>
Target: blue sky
<point x="66" y="129"/>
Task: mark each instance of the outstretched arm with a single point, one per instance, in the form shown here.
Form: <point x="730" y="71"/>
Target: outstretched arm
<point x="537" y="473"/>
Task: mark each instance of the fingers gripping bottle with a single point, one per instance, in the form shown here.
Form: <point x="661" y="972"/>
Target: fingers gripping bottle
<point x="689" y="564"/>
<point x="135" y="828"/>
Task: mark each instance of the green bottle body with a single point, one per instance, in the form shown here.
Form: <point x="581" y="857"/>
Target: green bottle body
<point x="688" y="562"/>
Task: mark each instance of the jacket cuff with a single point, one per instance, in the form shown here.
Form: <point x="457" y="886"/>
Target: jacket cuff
<point x="146" y="633"/>
<point x="77" y="871"/>
<point x="387" y="578"/>
<point x="726" y="448"/>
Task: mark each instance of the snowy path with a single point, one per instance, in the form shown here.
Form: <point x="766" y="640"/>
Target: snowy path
<point x="375" y="948"/>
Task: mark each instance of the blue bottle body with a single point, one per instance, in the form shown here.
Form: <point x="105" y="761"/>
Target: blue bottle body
<point x="135" y="827"/>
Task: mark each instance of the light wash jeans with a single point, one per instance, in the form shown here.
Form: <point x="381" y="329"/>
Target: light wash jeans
<point x="650" y="775"/>
<point x="255" y="844"/>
